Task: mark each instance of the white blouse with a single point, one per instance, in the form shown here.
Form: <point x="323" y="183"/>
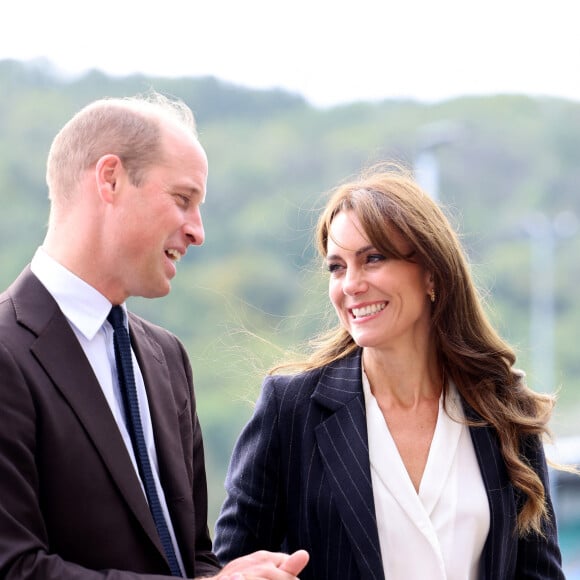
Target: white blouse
<point x="438" y="533"/>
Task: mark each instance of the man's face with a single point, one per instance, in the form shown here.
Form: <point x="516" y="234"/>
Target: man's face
<point x="157" y="221"/>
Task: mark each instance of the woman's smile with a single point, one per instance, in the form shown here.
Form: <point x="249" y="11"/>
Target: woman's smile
<point x="367" y="310"/>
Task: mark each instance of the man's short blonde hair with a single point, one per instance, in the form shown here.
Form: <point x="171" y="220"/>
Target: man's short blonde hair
<point x="130" y="127"/>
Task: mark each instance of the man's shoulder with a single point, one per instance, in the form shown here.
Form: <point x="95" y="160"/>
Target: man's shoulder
<point x="5" y="303"/>
<point x="10" y="299"/>
<point x="161" y="335"/>
<point x="26" y="303"/>
<point x="148" y="326"/>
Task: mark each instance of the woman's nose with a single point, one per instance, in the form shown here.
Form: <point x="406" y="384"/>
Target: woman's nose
<point x="354" y="282"/>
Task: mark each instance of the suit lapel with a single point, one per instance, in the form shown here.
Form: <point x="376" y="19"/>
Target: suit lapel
<point x="60" y="354"/>
<point x="164" y="408"/>
<point x="500" y="496"/>
<point x="343" y="443"/>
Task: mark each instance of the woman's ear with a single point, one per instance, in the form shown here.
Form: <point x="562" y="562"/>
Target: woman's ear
<point x="429" y="280"/>
<point x="108" y="171"/>
<point x="430" y="285"/>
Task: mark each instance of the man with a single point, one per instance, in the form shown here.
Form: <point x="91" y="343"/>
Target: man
<point x="95" y="482"/>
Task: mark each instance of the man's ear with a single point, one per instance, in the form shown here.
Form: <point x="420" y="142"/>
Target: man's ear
<point x="108" y="173"/>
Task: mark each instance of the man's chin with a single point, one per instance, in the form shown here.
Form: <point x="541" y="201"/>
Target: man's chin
<point x="157" y="292"/>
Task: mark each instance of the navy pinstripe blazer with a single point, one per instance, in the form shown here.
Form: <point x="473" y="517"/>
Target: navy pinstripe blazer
<point x="299" y="477"/>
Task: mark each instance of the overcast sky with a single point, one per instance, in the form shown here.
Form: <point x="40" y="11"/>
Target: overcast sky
<point x="329" y="51"/>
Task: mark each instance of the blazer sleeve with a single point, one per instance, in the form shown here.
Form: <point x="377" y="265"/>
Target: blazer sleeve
<point x="539" y="557"/>
<point x="252" y="516"/>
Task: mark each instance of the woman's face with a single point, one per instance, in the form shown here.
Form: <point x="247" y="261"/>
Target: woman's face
<point x="381" y="301"/>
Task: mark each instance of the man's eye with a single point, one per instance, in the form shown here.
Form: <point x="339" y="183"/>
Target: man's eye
<point x="182" y="200"/>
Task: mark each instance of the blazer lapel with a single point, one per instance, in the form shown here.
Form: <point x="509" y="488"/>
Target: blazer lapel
<point x="343" y="443"/>
<point x="60" y="354"/>
<point x="170" y="453"/>
<point x="163" y="408"/>
<point x="496" y="552"/>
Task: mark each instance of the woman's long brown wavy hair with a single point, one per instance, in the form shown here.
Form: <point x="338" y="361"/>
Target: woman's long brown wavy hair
<point x="470" y="351"/>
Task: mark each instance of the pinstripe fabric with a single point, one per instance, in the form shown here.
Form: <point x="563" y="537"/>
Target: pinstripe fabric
<point x="299" y="477"/>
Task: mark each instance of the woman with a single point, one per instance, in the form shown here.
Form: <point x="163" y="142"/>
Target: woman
<point x="406" y="446"/>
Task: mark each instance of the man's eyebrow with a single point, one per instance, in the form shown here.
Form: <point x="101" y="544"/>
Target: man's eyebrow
<point x="194" y="191"/>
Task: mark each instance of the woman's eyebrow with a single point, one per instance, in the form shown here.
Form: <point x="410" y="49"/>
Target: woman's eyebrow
<point x="366" y="249"/>
<point x="357" y="253"/>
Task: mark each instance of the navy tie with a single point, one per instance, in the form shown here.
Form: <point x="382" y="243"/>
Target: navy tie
<point x="122" y="345"/>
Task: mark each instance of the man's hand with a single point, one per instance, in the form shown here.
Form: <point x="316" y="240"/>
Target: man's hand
<point x="263" y="565"/>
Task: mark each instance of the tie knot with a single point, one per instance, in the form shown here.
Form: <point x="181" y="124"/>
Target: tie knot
<point x="116" y="317"/>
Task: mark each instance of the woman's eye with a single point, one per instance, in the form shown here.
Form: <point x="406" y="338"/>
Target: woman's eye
<point x="373" y="258"/>
<point x="333" y="267"/>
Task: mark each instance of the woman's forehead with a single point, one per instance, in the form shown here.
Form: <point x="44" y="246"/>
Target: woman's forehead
<point x="381" y="235"/>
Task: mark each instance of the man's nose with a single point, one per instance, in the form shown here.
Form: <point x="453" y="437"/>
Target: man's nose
<point x="194" y="228"/>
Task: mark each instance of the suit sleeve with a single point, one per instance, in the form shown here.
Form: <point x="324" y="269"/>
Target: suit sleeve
<point x="539" y="557"/>
<point x="252" y="516"/>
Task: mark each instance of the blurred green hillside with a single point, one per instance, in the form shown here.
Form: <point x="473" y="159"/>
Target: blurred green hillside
<point x="255" y="288"/>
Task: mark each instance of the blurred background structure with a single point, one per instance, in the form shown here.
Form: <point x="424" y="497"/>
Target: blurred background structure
<point x="545" y="235"/>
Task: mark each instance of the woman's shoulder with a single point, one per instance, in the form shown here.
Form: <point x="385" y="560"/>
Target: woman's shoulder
<point x="298" y="382"/>
<point x="303" y="384"/>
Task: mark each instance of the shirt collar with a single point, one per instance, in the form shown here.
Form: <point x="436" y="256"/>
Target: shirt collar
<point x="84" y="306"/>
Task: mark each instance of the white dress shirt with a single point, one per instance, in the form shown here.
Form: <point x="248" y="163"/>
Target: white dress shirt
<point x="438" y="533"/>
<point x="86" y="310"/>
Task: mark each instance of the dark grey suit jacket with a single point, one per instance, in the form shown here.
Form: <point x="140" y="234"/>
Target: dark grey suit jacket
<point x="70" y="501"/>
<point x="300" y="478"/>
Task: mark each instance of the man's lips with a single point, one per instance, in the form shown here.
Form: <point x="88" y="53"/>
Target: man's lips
<point x="173" y="254"/>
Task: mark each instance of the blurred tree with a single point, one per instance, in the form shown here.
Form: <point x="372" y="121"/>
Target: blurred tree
<point x="256" y="287"/>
